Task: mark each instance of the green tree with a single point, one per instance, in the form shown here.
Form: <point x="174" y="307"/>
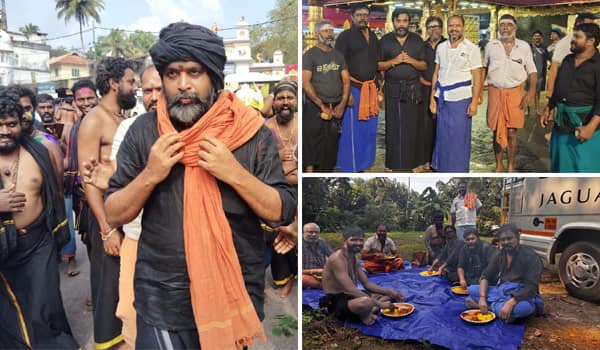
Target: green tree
<point x="29" y="29"/>
<point x="81" y="10"/>
<point x="58" y="51"/>
<point x="141" y="42"/>
<point x="114" y="44"/>
<point x="281" y="33"/>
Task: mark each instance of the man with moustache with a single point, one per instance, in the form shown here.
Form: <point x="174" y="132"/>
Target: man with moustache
<point x="341" y="275"/>
<point x="403" y="60"/>
<point x="473" y="259"/>
<point x="380" y="253"/>
<point x="97" y="174"/>
<point x="206" y="171"/>
<point x="315" y="251"/>
<point x="508" y="63"/>
<point x="326" y="82"/>
<point x="360" y="47"/>
<point x="563" y="48"/>
<point x="115" y="79"/>
<point x="85" y="98"/>
<point x="284" y="128"/>
<point x="456" y="83"/>
<point x="32" y="228"/>
<point x="576" y="103"/>
<point x="509" y="286"/>
<point x="540" y="58"/>
<point x="435" y="28"/>
<point x="447" y="261"/>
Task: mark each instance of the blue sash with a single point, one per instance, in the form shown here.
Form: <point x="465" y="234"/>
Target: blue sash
<point x="443" y="89"/>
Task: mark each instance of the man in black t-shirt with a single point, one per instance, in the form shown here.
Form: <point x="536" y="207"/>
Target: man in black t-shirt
<point x="175" y="299"/>
<point x="403" y="59"/>
<point x="326" y="82"/>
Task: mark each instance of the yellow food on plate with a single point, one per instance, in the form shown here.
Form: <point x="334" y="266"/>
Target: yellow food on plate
<point x="485" y="317"/>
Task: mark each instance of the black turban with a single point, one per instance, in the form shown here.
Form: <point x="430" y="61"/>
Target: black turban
<point x="189" y="42"/>
<point x="286" y="85"/>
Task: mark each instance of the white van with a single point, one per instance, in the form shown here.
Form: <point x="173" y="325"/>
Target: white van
<point x="560" y="219"/>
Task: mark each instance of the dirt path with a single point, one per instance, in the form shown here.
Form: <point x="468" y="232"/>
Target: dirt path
<point x="568" y="323"/>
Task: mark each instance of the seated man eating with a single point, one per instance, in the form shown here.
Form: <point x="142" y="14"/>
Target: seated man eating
<point x="340" y="279"/>
<point x="474" y="257"/>
<point x="448" y="258"/>
<point x="380" y="253"/>
<point x="514" y="276"/>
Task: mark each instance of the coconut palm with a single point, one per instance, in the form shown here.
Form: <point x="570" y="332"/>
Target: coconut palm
<point x="29" y="29"/>
<point x="114" y="44"/>
<point x="81" y="10"/>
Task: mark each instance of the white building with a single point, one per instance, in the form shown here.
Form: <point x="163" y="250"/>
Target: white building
<point x="23" y="60"/>
<point x="240" y="66"/>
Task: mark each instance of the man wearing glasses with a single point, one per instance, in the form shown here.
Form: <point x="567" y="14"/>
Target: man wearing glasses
<point x="509" y="286"/>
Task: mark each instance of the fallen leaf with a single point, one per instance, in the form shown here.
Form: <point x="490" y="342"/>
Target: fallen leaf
<point x="537" y="333"/>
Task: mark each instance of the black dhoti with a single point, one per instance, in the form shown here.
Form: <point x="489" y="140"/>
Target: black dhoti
<point x="104" y="278"/>
<point x="428" y="127"/>
<point x="320" y="138"/>
<point x="32" y="315"/>
<point x="403" y="119"/>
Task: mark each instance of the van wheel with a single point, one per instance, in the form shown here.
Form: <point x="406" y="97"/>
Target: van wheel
<point x="579" y="270"/>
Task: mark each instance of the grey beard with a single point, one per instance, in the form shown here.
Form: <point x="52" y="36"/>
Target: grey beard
<point x="507" y="36"/>
<point x="189" y="114"/>
<point x="326" y="42"/>
<point x="454" y="38"/>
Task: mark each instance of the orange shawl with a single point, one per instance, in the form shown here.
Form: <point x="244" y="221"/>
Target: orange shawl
<point x="470" y="200"/>
<point x="368" y="104"/>
<point x="223" y="311"/>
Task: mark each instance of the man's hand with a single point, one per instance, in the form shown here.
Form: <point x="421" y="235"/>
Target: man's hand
<point x="584" y="133"/>
<point x="433" y="107"/>
<point x="526" y="100"/>
<point x="472" y="109"/>
<point x="286" y="239"/>
<point x="483" y="306"/>
<point x="218" y="160"/>
<point x="163" y="155"/>
<point x="326" y="110"/>
<point x="396" y="295"/>
<point x="11" y="201"/>
<point x="112" y="245"/>
<point x="97" y="174"/>
<point x="545" y="117"/>
<point x="507" y="309"/>
<point x="338" y="110"/>
<point x="463" y="283"/>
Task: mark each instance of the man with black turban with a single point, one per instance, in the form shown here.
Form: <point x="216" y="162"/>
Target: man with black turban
<point x="206" y="171"/>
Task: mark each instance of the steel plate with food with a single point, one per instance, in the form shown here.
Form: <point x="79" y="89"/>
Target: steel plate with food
<point x="429" y="273"/>
<point x="401" y="310"/>
<point x="476" y="316"/>
<point x="460" y="290"/>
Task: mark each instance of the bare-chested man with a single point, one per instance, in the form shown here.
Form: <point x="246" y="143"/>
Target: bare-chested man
<point x="284" y="128"/>
<point x="32" y="214"/>
<point x="34" y="128"/>
<point x="115" y="80"/>
<point x="340" y="279"/>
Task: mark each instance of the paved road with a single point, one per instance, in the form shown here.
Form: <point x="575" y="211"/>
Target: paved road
<point x="76" y="289"/>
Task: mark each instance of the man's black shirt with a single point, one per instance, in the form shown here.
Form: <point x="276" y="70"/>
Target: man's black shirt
<point x="361" y="57"/>
<point x="390" y="48"/>
<point x="161" y="284"/>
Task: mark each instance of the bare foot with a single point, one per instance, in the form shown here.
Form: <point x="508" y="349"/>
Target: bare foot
<point x="471" y="304"/>
<point x="371" y="318"/>
<point x="499" y="170"/>
<point x="285" y="290"/>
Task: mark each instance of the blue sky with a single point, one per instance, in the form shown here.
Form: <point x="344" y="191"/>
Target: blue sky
<point x="150" y="15"/>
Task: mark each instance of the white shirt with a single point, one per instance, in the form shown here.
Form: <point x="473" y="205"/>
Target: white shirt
<point x="562" y="48"/>
<point x="464" y="216"/>
<point x="507" y="71"/>
<point x="456" y="65"/>
<point x="133" y="228"/>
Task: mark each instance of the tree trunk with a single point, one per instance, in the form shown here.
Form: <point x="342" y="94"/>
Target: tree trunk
<point x="81" y="37"/>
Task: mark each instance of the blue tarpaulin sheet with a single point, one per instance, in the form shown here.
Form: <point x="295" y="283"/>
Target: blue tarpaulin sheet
<point x="436" y="316"/>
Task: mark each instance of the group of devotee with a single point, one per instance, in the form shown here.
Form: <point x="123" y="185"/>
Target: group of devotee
<point x="504" y="280"/>
<point x="433" y="88"/>
<point x="172" y="204"/>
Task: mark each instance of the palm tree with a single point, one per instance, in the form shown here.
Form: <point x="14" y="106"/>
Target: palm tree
<point x="81" y="10"/>
<point x="115" y="44"/>
<point x="29" y="29"/>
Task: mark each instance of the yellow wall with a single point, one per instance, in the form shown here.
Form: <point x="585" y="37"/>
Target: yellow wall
<point x="65" y="71"/>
